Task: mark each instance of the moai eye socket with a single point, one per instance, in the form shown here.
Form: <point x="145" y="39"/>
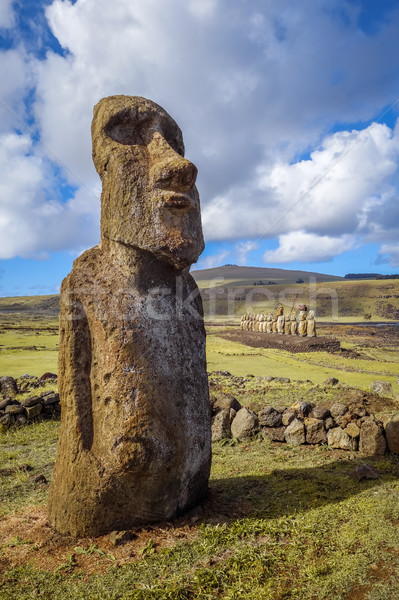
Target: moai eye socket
<point x="128" y="129"/>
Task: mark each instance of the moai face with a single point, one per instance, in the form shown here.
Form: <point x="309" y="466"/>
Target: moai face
<point x="149" y="198"/>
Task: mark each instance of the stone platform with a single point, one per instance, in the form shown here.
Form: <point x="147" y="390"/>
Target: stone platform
<point x="292" y="343"/>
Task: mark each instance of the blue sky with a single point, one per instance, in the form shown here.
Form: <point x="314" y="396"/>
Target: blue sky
<point x="289" y="110"/>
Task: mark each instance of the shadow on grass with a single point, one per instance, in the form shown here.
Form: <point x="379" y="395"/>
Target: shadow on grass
<point x="292" y="490"/>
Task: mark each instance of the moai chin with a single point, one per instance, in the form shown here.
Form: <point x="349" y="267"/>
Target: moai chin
<point x="135" y="442"/>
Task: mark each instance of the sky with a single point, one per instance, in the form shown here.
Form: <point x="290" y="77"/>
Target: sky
<point x="289" y="110"/>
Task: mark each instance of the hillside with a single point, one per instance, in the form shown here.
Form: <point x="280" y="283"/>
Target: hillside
<point x="233" y="275"/>
<point x="228" y="292"/>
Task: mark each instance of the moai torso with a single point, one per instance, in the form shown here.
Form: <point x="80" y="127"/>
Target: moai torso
<point x="302" y="322"/>
<point x="134" y="443"/>
<point x="294" y="324"/>
<point x="311" y="324"/>
<point x="287" y="325"/>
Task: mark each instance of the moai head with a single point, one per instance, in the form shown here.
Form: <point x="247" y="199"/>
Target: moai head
<point x="149" y="198"/>
<point x="280" y="311"/>
<point x="311" y="315"/>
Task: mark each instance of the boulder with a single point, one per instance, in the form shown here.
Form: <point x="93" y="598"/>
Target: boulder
<point x="33" y="411"/>
<point x="295" y="433"/>
<point x="31" y="401"/>
<point x="338" y="409"/>
<point x="329" y="423"/>
<point x="320" y="412"/>
<point x="223" y="402"/>
<point x="269" y="417"/>
<point x="244" y="424"/>
<point x="287" y="417"/>
<point x="372" y="440"/>
<point x="8" y="386"/>
<point x="383" y="388"/>
<point x="221" y="425"/>
<point x="352" y="430"/>
<point x="392" y="433"/>
<point x="14" y="409"/>
<point x="338" y="438"/>
<point x="315" y="431"/>
<point x="275" y="434"/>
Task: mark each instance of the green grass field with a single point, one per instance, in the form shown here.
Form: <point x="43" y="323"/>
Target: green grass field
<point x="279" y="523"/>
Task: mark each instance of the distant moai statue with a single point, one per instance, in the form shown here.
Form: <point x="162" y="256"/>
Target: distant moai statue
<point x="302" y="324"/>
<point x="269" y="324"/>
<point x="287" y="325"/>
<point x="278" y="314"/>
<point x="135" y="438"/>
<point x="294" y="323"/>
<point x="311" y="324"/>
<point x="280" y="320"/>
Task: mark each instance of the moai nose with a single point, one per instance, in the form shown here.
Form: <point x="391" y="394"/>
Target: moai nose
<point x="172" y="171"/>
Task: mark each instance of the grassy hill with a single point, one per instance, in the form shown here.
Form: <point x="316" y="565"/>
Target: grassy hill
<point x="230" y="291"/>
<point x="233" y="275"/>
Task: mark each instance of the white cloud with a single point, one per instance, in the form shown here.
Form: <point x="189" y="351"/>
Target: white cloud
<point x="33" y="222"/>
<point x="389" y="253"/>
<point x="307" y="247"/>
<point x="6" y="13"/>
<point x="215" y="260"/>
<point x="253" y="85"/>
<point x="243" y="249"/>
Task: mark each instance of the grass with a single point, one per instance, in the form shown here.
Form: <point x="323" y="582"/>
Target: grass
<point x="315" y="366"/>
<point x="280" y="522"/>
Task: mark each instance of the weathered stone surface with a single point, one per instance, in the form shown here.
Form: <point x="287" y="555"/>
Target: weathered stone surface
<point x="269" y="417"/>
<point x="135" y="439"/>
<point x="287" y="417"/>
<point x="372" y="440"/>
<point x="33" y="411"/>
<point x="14" y="409"/>
<point x="352" y="430"/>
<point x="51" y="399"/>
<point x="392" y="433"/>
<point x="338" y="409"/>
<point x="275" y="434"/>
<point x="329" y="423"/>
<point x="315" y="431"/>
<point x="223" y="402"/>
<point x="8" y="386"/>
<point x="384" y="388"/>
<point x="221" y="425"/>
<point x="295" y="433"/>
<point x="31" y="401"/>
<point x="245" y="424"/>
<point x="4" y="403"/>
<point x="320" y="412"/>
<point x="337" y="438"/>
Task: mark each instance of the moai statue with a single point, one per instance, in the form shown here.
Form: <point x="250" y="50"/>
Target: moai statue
<point x="311" y="324"/>
<point x="302" y="320"/>
<point x="281" y="321"/>
<point x="287" y="325"/>
<point x="294" y="323"/>
<point x="135" y="439"/>
<point x="269" y="323"/>
<point x="278" y="314"/>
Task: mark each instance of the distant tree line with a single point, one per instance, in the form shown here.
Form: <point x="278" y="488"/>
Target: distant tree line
<point x="370" y="276"/>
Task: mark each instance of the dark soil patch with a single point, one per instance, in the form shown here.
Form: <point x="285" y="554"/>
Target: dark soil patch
<point x="292" y="343"/>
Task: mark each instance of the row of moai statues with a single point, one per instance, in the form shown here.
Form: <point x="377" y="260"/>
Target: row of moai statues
<point x="302" y="324"/>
